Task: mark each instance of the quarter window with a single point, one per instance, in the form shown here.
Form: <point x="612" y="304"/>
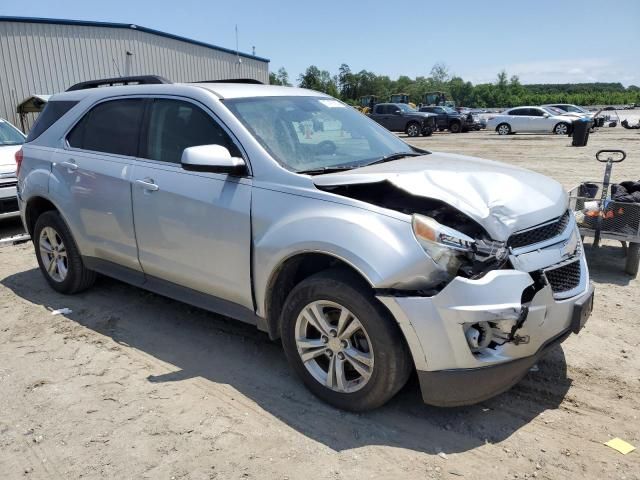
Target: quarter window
<point x="110" y="127"/>
<point x="175" y="125"/>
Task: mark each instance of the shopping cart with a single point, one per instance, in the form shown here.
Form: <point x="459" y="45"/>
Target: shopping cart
<point x="599" y="216"/>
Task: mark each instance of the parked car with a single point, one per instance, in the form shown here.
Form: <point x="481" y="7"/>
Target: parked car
<point x="448" y="119"/>
<point x="400" y="117"/>
<point x="11" y="139"/>
<point x="530" y="120"/>
<point x="369" y="258"/>
<point x="571" y="110"/>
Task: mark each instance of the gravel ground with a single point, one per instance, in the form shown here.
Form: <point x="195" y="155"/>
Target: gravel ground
<point x="133" y="385"/>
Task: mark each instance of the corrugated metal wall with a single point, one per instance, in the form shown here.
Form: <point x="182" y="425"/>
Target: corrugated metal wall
<point x="45" y="58"/>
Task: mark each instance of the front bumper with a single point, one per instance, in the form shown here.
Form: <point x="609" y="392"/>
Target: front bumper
<point x="450" y="372"/>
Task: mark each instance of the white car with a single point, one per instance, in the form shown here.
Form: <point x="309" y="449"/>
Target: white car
<point x="11" y="139"/>
<point x="530" y="120"/>
<point x="569" y="109"/>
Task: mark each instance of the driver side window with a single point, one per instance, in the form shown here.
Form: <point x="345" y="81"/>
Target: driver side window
<point x="175" y="125"/>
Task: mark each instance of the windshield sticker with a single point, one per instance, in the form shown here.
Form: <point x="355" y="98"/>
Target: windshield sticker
<point x="332" y="103"/>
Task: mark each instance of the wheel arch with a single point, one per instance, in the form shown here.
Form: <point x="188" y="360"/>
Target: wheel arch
<point x="292" y="270"/>
<point x="36" y="206"/>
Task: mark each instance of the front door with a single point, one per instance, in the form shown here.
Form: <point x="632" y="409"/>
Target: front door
<point x="193" y="228"/>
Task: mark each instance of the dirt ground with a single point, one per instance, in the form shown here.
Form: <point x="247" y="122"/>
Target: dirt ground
<point x="133" y="385"/>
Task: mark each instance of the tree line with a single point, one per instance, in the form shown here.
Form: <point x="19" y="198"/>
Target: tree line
<point x="505" y="91"/>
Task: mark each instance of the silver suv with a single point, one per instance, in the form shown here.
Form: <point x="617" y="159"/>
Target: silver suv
<point x="287" y="209"/>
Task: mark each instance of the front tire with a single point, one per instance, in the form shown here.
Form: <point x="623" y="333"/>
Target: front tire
<point x="413" y="129"/>
<point x="58" y="255"/>
<point x="455" y="127"/>
<point x="503" y="129"/>
<point x="342" y="342"/>
<point x="561" y="129"/>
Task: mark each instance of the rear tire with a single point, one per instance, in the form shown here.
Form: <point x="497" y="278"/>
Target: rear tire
<point x="58" y="255"/>
<point x="503" y="129"/>
<point x="345" y="384"/>
<point x="633" y="259"/>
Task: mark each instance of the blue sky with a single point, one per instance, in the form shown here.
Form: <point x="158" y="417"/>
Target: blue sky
<point x="543" y="41"/>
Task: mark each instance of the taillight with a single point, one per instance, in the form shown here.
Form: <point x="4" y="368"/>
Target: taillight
<point x="18" y="161"/>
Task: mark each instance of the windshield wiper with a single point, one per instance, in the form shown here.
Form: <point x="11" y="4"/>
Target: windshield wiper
<point x="318" y="171"/>
<point x="394" y="156"/>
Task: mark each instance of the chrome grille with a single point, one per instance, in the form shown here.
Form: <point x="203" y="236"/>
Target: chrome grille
<point x="541" y="233"/>
<point x="564" y="278"/>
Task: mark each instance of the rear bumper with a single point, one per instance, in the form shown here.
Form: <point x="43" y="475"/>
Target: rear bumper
<point x="8" y="202"/>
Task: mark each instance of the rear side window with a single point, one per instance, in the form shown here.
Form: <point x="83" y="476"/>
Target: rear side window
<point x="110" y="127"/>
<point x="175" y="125"/>
<point x="51" y="114"/>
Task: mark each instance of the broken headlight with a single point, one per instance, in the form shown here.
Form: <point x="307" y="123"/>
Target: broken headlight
<point x="454" y="251"/>
<point x="446" y="247"/>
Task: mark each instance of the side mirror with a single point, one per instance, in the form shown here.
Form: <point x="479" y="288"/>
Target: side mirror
<point x="397" y="112"/>
<point x="546" y="115"/>
<point x="213" y="159"/>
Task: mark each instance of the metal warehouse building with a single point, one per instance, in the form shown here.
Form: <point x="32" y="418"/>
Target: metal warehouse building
<point x="44" y="56"/>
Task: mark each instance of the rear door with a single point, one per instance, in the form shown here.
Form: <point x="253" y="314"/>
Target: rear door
<point x="518" y="119"/>
<point x="193" y="228"/>
<point x="91" y="181"/>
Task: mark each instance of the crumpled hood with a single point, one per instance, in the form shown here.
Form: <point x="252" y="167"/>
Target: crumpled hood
<point x="500" y="197"/>
<point x="7" y="158"/>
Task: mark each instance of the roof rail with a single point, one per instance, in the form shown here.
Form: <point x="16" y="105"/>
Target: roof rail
<point x="252" y="81"/>
<point x="110" y="82"/>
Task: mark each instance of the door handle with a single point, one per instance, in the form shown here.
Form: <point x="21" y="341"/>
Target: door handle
<point x="71" y="165"/>
<point x="148" y="184"/>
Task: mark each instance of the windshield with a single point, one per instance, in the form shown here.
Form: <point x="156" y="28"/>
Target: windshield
<point x="308" y="133"/>
<point x="574" y="108"/>
<point x="554" y="111"/>
<point x="449" y="110"/>
<point x="9" y="135"/>
<point x="405" y="108"/>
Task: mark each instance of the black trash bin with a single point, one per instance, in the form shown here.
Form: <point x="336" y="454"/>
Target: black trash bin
<point x="581" y="127"/>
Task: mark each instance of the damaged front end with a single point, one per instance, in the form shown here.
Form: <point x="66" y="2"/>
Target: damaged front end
<point x="494" y="307"/>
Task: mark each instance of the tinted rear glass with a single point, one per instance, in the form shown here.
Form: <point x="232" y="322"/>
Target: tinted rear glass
<point x="110" y="127"/>
<point x="51" y="114"/>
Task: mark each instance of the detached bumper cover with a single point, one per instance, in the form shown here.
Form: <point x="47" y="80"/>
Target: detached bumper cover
<point x="450" y="373"/>
<point x="453" y="388"/>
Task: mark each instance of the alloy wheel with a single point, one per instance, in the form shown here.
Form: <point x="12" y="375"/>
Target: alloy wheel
<point x="503" y="129"/>
<point x="53" y="254"/>
<point x="334" y="346"/>
<point x="561" y="129"/>
<point x="413" y="130"/>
